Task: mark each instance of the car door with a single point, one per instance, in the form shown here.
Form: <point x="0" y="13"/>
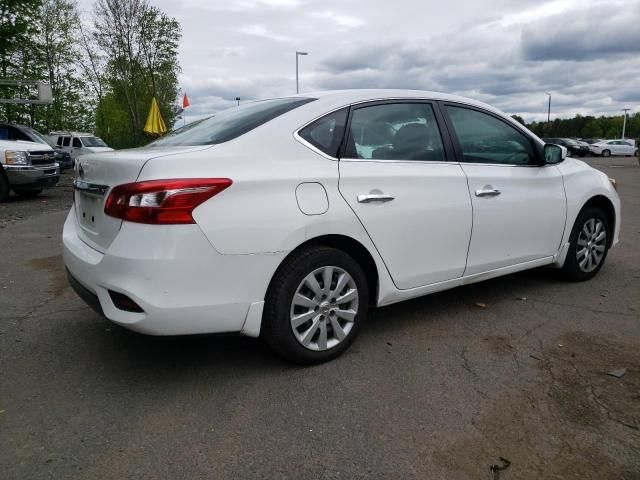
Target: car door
<point x="519" y="204"/>
<point x="398" y="175"/>
<point x="76" y="147"/>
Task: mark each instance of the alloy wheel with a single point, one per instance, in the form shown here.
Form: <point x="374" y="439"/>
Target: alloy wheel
<point x="324" y="308"/>
<point x="591" y="245"/>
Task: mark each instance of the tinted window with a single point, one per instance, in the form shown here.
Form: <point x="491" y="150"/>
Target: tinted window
<point x="4" y="133"/>
<point x="76" y="143"/>
<point x="93" y="142"/>
<point x="59" y="142"/>
<point x="485" y="139"/>
<point x="395" y="131"/>
<point x="233" y="122"/>
<point x="65" y="141"/>
<point x="326" y="133"/>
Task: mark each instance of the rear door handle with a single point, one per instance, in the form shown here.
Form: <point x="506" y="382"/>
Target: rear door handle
<point x="374" y="197"/>
<point x="487" y="192"/>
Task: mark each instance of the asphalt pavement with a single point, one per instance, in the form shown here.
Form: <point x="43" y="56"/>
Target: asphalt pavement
<point x="503" y="379"/>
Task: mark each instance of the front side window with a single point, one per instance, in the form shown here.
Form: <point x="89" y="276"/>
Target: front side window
<point x="395" y="131"/>
<point x="66" y="141"/>
<point x="485" y="139"/>
<point x="76" y="143"/>
<point x="93" y="142"/>
<point x="326" y="133"/>
<point x="232" y="123"/>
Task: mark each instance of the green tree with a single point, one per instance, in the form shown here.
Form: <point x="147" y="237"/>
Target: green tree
<point x="140" y="43"/>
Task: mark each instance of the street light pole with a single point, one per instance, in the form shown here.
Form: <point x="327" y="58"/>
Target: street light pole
<point x="297" y="74"/>
<point x="237" y="99"/>
<point x="624" y="121"/>
<point x="549" y="109"/>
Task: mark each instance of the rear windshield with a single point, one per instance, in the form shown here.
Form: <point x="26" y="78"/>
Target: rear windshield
<point x="232" y="123"/>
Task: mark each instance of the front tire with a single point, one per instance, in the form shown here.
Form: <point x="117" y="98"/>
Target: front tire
<point x="606" y="153"/>
<point x="28" y="193"/>
<point x="4" y="186"/>
<point x="588" y="245"/>
<point x="315" y="305"/>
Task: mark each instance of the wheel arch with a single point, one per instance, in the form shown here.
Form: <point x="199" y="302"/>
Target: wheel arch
<point x="603" y="203"/>
<point x="351" y="247"/>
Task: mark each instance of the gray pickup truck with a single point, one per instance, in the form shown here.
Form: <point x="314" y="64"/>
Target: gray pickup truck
<point x="27" y="168"/>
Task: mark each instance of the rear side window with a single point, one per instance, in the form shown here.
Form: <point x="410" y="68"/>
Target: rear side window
<point x="395" y="131"/>
<point x="233" y="122"/>
<point x="326" y="133"/>
<point x="485" y="139"/>
<point x="66" y="141"/>
<point x="76" y="143"/>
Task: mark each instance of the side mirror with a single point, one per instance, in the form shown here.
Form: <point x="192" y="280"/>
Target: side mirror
<point x="554" y="153"/>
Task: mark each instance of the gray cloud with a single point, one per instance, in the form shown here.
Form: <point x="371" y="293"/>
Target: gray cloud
<point x="504" y="52"/>
<point x="584" y="34"/>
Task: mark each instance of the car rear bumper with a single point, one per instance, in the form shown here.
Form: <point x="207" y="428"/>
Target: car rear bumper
<point x="32" y="177"/>
<point x="181" y="283"/>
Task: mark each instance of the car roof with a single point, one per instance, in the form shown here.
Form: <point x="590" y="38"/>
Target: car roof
<point x="15" y="125"/>
<point x="344" y="97"/>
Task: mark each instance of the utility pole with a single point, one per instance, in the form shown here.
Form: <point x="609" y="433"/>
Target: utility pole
<point x="549" y="109"/>
<point x="297" y="75"/>
<point x="624" y="121"/>
<point x="237" y="99"/>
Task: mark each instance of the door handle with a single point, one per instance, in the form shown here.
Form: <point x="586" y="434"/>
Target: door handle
<point x="487" y="192"/>
<point x="374" y="197"/>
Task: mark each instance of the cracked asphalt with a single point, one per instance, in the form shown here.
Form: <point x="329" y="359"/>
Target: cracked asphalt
<point x="437" y="387"/>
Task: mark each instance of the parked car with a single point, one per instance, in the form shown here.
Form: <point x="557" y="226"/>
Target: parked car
<point x="590" y="141"/>
<point x="606" y="148"/>
<point x="574" y="148"/>
<point x="27" y="168"/>
<point x="77" y="143"/>
<point x="288" y="218"/>
<point x="10" y="131"/>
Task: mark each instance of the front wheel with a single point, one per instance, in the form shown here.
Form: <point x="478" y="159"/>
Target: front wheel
<point x="315" y="306"/>
<point x="606" y="153"/>
<point x="28" y="193"/>
<point x="588" y="245"/>
<point x="4" y="186"/>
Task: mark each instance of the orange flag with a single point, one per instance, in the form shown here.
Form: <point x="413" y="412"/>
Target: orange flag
<point x="185" y="101"/>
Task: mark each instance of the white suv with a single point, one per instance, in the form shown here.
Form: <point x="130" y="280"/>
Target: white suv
<point x="76" y="143"/>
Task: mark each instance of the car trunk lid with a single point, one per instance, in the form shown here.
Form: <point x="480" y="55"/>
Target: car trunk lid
<point x="96" y="175"/>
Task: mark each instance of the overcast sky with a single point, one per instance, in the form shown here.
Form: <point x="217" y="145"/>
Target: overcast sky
<point x="505" y="52"/>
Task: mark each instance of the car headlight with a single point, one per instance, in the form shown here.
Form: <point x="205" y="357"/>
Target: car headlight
<point x="14" y="157"/>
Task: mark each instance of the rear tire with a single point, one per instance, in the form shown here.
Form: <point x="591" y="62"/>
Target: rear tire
<point x="302" y="320"/>
<point x="28" y="193"/>
<point x="606" y="153"/>
<point x="587" y="247"/>
<point x="4" y="186"/>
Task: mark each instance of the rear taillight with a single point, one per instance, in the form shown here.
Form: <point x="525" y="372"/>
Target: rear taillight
<point x="162" y="202"/>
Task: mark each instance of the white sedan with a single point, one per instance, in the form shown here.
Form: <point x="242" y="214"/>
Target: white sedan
<point x="289" y="218"/>
<point x="606" y="148"/>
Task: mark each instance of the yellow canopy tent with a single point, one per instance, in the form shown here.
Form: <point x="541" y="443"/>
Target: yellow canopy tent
<point x="155" y="124"/>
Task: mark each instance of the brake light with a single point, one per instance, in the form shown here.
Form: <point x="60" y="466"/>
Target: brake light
<point x="162" y="202"/>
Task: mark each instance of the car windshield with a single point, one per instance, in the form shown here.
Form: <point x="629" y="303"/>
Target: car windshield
<point x="93" y="142"/>
<point x="41" y="138"/>
<point x="231" y="123"/>
<point x="570" y="141"/>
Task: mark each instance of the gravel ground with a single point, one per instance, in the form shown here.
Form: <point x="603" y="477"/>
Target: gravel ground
<point x="437" y="387"/>
<point x="50" y="200"/>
